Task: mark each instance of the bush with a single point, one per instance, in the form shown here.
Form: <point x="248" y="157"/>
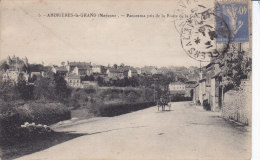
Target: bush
<point x="44" y="113"/>
<point x="39" y="113"/>
<point x="110" y="110"/>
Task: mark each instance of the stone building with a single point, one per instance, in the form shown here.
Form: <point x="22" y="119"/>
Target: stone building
<point x="73" y="80"/>
<point x="17" y="68"/>
<point x="17" y="64"/>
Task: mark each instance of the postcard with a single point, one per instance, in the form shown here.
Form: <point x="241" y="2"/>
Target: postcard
<point x="125" y="80"/>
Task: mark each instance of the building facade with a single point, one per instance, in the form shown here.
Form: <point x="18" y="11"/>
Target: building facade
<point x="73" y="80"/>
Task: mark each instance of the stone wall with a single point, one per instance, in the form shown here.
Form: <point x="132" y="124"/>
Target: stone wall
<point x="237" y="104"/>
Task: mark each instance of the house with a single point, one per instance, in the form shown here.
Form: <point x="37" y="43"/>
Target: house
<point x="82" y="71"/>
<point x="59" y="70"/>
<point x="132" y="72"/>
<point x="71" y="65"/>
<point x="17" y="64"/>
<point x="13" y="76"/>
<point x="17" y="68"/>
<point x="35" y="75"/>
<point x="138" y="70"/>
<point x="96" y="68"/>
<point x="177" y="86"/>
<point x="177" y="90"/>
<point x="190" y="88"/>
<point x="73" y="80"/>
<point x="115" y="73"/>
<point x="154" y="71"/>
<point x="149" y="70"/>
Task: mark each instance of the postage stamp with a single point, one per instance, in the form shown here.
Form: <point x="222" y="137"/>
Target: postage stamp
<point x="199" y="34"/>
<point x="235" y="15"/>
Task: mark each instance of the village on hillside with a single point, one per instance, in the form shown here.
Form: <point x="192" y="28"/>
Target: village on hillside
<point x="86" y="74"/>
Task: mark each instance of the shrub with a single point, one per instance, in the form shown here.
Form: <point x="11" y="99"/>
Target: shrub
<point x="47" y="113"/>
<point x="118" y="109"/>
<point x="40" y="113"/>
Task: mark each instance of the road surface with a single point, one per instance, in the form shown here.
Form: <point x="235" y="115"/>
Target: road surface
<point x="185" y="132"/>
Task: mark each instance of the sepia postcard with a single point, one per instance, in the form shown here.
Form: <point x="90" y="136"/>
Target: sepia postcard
<point x="125" y="79"/>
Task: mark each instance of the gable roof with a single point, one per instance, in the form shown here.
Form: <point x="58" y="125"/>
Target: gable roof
<point x="177" y="83"/>
<point x="61" y="69"/>
<point x="72" y="75"/>
<point x="79" y="63"/>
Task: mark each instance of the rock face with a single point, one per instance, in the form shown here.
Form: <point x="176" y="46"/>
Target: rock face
<point x="237" y="104"/>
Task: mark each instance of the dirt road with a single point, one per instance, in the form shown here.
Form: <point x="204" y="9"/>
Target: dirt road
<point x="185" y="132"/>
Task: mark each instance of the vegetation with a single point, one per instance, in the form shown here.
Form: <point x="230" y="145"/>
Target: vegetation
<point x="236" y="68"/>
<point x="48" y="99"/>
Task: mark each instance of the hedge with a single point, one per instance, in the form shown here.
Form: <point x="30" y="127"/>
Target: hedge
<point x="109" y="110"/>
<point x="39" y="113"/>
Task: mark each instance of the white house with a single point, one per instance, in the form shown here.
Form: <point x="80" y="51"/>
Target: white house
<point x="73" y="80"/>
<point x="96" y="68"/>
<point x="177" y="86"/>
<point x="13" y="76"/>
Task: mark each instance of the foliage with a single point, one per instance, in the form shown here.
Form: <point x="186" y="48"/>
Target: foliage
<point x="44" y="89"/>
<point x="94" y="99"/>
<point x="35" y="67"/>
<point x="38" y="112"/>
<point x="88" y="78"/>
<point x="8" y="93"/>
<point x="236" y="68"/>
<point x="25" y="91"/>
<point x="61" y="89"/>
<point x="4" y="66"/>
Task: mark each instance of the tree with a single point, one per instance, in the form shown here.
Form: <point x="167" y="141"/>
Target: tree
<point x="25" y="91"/>
<point x="91" y="78"/>
<point x="236" y="68"/>
<point x="61" y="89"/>
<point x="122" y="65"/>
<point x="133" y="81"/>
<point x="8" y="93"/>
<point x="33" y="78"/>
<point x="4" y="66"/>
<point x="100" y="81"/>
<point x="115" y="66"/>
<point x="88" y="78"/>
<point x="44" y="89"/>
<point x="35" y="67"/>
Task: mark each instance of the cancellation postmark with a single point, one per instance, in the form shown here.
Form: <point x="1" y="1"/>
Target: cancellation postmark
<point x="199" y="32"/>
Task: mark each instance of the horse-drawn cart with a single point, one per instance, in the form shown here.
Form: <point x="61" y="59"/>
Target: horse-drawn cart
<point x="162" y="103"/>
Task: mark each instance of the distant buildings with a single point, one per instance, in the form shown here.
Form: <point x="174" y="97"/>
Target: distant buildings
<point x="177" y="86"/>
<point x="17" y="68"/>
<point x="79" y="74"/>
<point x="13" y="76"/>
<point x="71" y="65"/>
<point x="17" y="64"/>
<point x="82" y="71"/>
<point x="73" y="80"/>
<point x="97" y="68"/>
<point x="132" y="72"/>
<point x="121" y="72"/>
<point x="115" y="73"/>
<point x="59" y="70"/>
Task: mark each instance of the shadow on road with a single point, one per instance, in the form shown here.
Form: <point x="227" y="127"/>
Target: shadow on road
<point x="21" y="148"/>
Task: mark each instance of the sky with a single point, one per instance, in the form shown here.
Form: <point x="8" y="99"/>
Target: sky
<point x="26" y="31"/>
